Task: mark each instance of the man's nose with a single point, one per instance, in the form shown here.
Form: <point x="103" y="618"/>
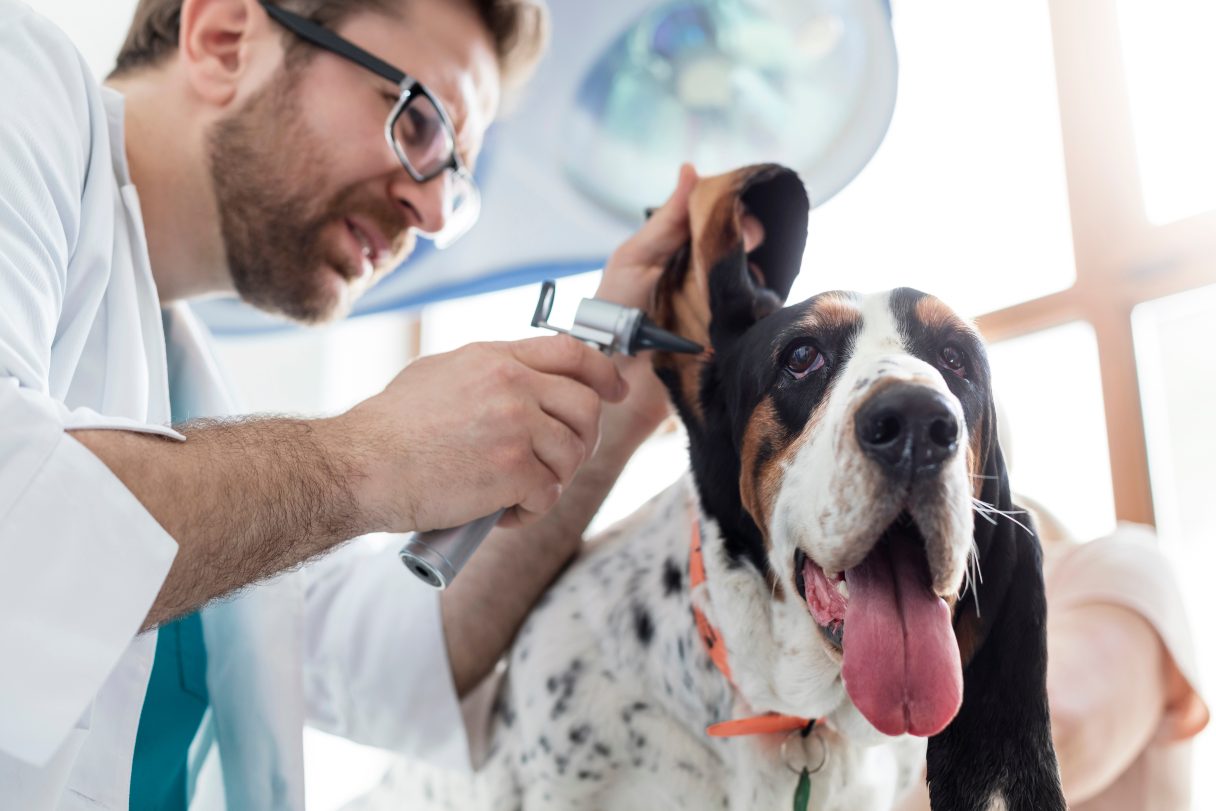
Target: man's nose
<point x="906" y="428"/>
<point x="428" y="203"/>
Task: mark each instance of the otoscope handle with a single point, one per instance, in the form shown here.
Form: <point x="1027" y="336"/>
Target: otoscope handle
<point x="438" y="555"/>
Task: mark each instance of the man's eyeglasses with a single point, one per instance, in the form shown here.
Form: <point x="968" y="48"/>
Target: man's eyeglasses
<point x="418" y="129"/>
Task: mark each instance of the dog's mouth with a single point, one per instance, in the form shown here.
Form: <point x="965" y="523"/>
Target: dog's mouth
<point x="901" y="662"/>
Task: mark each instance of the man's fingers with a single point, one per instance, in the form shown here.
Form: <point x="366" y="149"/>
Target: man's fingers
<point x="564" y="380"/>
<point x="676" y="206"/>
<point x="667" y="229"/>
<point x="517" y="516"/>
<point x="574" y="406"/>
<point x="536" y="504"/>
<point x="559" y="449"/>
<point x="565" y="356"/>
<point x="520" y="516"/>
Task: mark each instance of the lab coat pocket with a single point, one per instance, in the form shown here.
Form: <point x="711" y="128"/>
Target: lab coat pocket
<point x="57" y="780"/>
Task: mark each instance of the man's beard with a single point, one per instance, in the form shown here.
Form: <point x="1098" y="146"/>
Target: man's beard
<point x="266" y="168"/>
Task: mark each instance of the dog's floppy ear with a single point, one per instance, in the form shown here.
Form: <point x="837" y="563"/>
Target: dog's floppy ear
<point x="999" y="745"/>
<point x="712" y="291"/>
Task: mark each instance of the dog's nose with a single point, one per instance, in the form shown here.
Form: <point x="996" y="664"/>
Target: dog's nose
<point x="907" y="428"/>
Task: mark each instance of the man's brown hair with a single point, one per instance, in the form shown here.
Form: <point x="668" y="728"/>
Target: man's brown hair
<point x="519" y="28"/>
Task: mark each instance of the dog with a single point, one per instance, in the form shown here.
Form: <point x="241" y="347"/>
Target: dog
<point x="843" y="568"/>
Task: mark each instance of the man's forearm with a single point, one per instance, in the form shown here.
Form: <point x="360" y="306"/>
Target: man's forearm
<point x="243" y="499"/>
<point x="486" y="605"/>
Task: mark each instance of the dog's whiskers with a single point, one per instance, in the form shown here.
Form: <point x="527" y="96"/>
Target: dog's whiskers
<point x="973" y="577"/>
<point x="987" y="517"/>
<point x="988" y="511"/>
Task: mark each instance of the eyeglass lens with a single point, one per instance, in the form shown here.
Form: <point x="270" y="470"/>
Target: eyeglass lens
<point x="422" y="138"/>
<point x="425" y="143"/>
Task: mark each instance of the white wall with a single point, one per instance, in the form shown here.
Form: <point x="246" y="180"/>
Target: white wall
<point x="98" y="27"/>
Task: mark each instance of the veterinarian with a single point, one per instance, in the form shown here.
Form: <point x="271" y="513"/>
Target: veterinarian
<point x="235" y="152"/>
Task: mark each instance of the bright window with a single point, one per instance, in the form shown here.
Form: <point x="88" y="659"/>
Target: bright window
<point x="1171" y="83"/>
<point x="1050" y="393"/>
<point x="1178" y="376"/>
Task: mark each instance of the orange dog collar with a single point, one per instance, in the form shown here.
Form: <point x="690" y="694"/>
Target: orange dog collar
<point x="767" y="723"/>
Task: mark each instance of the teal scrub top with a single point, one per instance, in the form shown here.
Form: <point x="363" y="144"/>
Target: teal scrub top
<point x="173" y="710"/>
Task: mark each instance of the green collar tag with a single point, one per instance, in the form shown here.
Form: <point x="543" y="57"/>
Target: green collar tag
<point x="802" y="794"/>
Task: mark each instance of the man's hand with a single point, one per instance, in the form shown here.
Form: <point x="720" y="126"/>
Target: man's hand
<point x="634" y="268"/>
<point x="489" y="426"/>
<point x="630" y="277"/>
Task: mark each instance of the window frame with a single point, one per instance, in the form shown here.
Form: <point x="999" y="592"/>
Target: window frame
<point x="1121" y="258"/>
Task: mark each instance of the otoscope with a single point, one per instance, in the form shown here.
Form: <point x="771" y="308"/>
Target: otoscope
<point x="437" y="556"/>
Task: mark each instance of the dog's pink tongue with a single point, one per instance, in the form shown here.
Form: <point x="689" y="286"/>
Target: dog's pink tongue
<point x="901" y="661"/>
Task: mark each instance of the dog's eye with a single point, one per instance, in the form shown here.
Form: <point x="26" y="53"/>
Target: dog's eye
<point x="802" y="360"/>
<point x="953" y="360"/>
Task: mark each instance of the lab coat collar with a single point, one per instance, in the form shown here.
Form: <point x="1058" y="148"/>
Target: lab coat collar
<point x="115" y="106"/>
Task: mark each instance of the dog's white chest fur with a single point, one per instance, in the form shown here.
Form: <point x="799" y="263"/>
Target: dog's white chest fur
<point x="609" y="690"/>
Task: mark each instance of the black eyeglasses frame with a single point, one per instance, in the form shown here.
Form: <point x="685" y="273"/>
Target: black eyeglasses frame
<point x="410" y="88"/>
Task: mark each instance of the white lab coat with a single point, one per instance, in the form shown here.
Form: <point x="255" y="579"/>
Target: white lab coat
<point x="353" y="645"/>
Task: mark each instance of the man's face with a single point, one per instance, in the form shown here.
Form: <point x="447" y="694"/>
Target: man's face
<point x="314" y="205"/>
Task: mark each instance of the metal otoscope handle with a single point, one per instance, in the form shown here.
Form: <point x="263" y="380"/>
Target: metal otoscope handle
<point x="437" y="556"/>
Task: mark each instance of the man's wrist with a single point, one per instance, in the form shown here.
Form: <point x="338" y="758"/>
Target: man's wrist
<point x="622" y="433"/>
<point x="345" y="444"/>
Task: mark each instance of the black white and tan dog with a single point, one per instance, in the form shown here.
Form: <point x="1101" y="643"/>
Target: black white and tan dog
<point x="858" y="567"/>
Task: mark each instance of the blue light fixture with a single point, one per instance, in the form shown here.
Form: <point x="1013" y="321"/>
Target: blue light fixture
<point x="723" y="83"/>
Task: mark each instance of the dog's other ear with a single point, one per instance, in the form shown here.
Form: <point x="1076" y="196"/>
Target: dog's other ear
<point x="999" y="745"/>
<point x="713" y="290"/>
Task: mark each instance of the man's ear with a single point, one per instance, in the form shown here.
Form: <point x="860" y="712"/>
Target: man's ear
<point x="221" y="44"/>
<point x="999" y="745"/>
<point x="713" y="290"/>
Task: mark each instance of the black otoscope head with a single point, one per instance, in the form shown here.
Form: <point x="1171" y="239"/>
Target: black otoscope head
<point x="651" y="336"/>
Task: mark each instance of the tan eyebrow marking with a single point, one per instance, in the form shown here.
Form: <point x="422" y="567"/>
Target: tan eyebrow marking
<point x="833" y="310"/>
<point x="830" y="312"/>
<point x="936" y="315"/>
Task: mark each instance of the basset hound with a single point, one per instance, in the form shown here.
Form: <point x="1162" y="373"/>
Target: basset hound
<point x="843" y="575"/>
